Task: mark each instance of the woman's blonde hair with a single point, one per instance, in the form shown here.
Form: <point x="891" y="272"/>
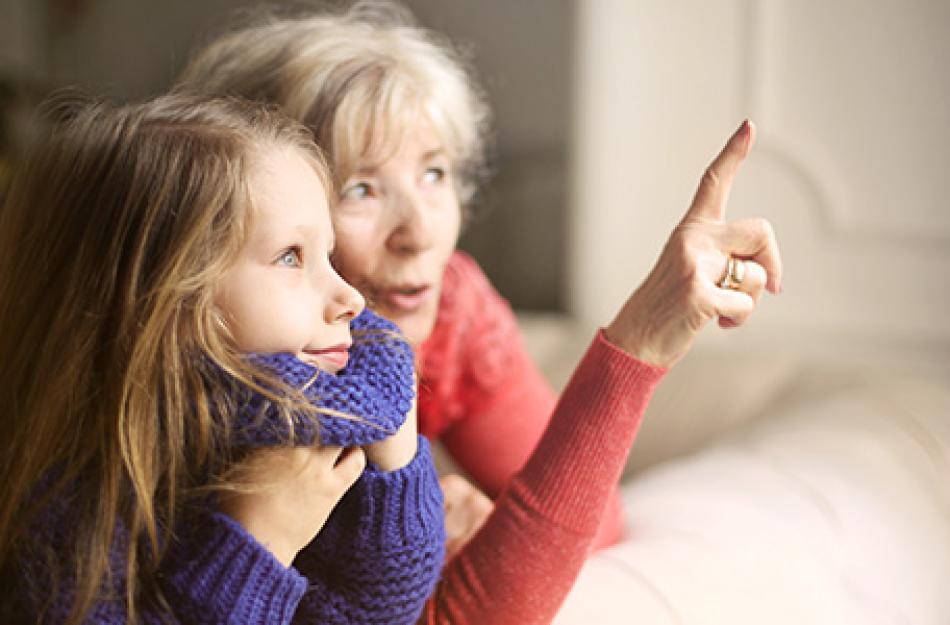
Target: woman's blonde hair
<point x="112" y="241"/>
<point x="358" y="78"/>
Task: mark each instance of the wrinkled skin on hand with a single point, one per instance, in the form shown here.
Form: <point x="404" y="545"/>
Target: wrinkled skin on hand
<point x="682" y="293"/>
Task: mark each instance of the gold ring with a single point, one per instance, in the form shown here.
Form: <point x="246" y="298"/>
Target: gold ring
<point x="734" y="274"/>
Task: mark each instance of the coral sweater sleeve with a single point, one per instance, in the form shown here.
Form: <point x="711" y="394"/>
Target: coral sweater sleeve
<point x="520" y="565"/>
<point x="480" y="393"/>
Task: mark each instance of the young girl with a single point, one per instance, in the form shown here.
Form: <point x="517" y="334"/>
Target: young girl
<point x="174" y="345"/>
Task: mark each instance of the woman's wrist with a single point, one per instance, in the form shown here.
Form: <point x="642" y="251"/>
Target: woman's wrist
<point x="643" y="327"/>
<point x="626" y="333"/>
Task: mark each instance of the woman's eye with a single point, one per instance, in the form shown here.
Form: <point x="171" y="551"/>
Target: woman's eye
<point x="434" y="174"/>
<point x="289" y="258"/>
<point x="357" y="191"/>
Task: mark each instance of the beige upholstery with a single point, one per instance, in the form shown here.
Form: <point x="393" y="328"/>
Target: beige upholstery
<point x="775" y="488"/>
<point x="826" y="505"/>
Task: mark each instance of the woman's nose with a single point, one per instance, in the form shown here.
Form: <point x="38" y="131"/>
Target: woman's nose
<point x="412" y="228"/>
<point x="345" y="302"/>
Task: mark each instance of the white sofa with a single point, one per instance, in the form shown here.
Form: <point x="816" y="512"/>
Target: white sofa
<point x="775" y="489"/>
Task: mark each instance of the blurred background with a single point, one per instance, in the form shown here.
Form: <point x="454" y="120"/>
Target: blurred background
<point x="606" y="113"/>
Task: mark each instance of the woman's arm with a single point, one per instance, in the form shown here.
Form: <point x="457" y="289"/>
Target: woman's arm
<point x="494" y="444"/>
<point x="520" y="565"/>
<point x="502" y="399"/>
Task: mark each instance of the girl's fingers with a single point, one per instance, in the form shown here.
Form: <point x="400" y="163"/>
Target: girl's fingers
<point x="327" y="454"/>
<point x="350" y="464"/>
<point x="346" y="463"/>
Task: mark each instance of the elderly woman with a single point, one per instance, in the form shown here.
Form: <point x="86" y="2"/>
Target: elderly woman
<point x="404" y="125"/>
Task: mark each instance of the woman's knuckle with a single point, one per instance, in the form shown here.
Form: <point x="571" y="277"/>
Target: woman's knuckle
<point x="697" y="287"/>
<point x="763" y="226"/>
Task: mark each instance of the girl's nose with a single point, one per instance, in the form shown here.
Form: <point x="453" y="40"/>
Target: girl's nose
<point x="345" y="302"/>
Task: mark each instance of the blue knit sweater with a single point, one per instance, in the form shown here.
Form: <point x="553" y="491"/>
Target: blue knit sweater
<point x="376" y="560"/>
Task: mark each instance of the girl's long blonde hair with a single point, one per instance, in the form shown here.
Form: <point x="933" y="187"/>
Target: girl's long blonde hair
<point x="112" y="240"/>
<point x="357" y="78"/>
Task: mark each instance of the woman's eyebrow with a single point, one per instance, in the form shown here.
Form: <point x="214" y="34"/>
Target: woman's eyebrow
<point x="368" y="171"/>
<point x="365" y="171"/>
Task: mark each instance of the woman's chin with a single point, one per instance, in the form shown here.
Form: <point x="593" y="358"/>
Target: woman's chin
<point x="416" y="326"/>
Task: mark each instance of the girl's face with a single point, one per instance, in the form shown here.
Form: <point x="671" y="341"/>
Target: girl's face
<point x="282" y="294"/>
<point x="396" y="225"/>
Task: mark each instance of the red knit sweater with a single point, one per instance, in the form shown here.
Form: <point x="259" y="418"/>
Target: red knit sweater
<point x="489" y="404"/>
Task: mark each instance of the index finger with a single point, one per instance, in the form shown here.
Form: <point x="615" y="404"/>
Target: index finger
<point x="713" y="192"/>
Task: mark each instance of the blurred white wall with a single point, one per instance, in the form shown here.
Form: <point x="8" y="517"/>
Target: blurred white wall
<point x="852" y="103"/>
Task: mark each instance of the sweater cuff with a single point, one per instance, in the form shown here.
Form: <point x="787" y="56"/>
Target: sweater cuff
<point x="623" y="368"/>
<point x="222" y="574"/>
<point x="400" y="508"/>
<point x="387" y="512"/>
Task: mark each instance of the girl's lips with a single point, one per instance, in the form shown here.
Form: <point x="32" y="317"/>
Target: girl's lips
<point x="405" y="299"/>
<point x="330" y="359"/>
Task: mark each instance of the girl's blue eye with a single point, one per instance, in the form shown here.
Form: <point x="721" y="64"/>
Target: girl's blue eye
<point x="290" y="258"/>
<point x="357" y="191"/>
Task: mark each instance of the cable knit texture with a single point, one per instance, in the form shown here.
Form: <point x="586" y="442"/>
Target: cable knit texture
<point x="376" y="385"/>
<point x="376" y="560"/>
<point x="520" y="565"/>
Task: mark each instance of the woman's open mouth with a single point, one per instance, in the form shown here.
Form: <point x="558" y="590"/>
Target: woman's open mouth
<point x="406" y="298"/>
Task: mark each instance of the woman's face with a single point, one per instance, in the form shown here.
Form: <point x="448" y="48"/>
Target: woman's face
<point x="396" y="225"/>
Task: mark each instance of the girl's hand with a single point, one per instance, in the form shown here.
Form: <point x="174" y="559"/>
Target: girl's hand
<point x="395" y="452"/>
<point x="686" y="288"/>
<point x="466" y="508"/>
<point x="288" y="493"/>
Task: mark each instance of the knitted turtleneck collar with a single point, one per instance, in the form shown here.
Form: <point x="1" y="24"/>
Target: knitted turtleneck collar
<point x="374" y="391"/>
